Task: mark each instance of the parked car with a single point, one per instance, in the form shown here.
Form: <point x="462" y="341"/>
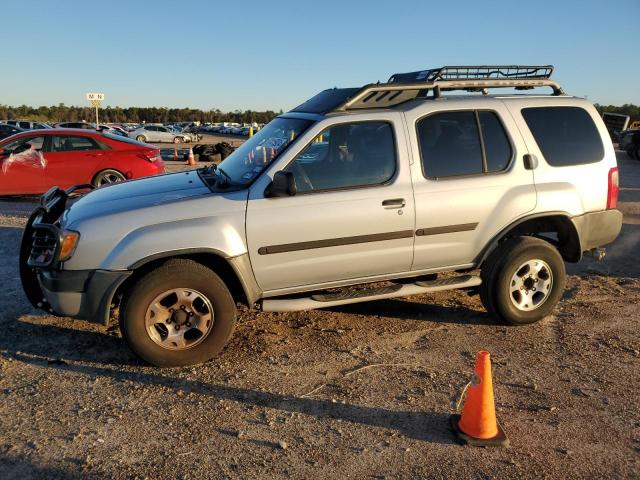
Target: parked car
<point x="357" y="194"/>
<point x="83" y="125"/>
<point x="7" y="130"/>
<point x="630" y="142"/>
<point x="32" y="162"/>
<point x="28" y="124"/>
<point x="156" y="133"/>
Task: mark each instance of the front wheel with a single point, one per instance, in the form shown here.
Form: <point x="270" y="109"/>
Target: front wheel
<point x="179" y="314"/>
<point x="141" y="138"/>
<point x="524" y="280"/>
<point x="177" y="140"/>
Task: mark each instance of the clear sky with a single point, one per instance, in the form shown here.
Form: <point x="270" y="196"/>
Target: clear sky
<point x="246" y="54"/>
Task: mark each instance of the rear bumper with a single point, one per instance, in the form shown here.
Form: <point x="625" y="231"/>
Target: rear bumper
<point x="597" y="229"/>
<point x="83" y="294"/>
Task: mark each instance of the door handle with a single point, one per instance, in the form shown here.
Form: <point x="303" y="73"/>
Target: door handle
<point x="394" y="203"/>
<point x="530" y="161"/>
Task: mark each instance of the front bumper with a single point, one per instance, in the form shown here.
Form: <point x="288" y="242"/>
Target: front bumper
<point x="83" y="294"/>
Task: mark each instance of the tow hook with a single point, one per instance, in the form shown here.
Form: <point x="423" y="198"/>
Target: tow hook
<point x="598" y="253"/>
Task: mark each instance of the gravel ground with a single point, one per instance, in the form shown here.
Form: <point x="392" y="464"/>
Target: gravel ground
<point x="289" y="397"/>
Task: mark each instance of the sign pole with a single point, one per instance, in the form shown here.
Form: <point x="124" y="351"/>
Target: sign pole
<point x="96" y="100"/>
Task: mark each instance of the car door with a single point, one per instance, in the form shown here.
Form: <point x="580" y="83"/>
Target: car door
<point x="72" y="159"/>
<point x="164" y="135"/>
<point x="352" y="216"/>
<point x="22" y="172"/>
<point x="470" y="180"/>
<point x="155" y="135"/>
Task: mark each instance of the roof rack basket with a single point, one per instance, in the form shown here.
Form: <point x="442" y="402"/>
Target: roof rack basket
<point x="402" y="87"/>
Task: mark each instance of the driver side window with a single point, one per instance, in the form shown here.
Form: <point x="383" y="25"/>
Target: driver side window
<point x="347" y="155"/>
<point x="24" y="144"/>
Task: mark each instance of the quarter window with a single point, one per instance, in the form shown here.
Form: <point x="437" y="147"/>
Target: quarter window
<point x="565" y="135"/>
<point x="346" y="156"/>
<point x="461" y="143"/>
<point x="496" y="145"/>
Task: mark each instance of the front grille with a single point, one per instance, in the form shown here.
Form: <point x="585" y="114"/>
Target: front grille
<point x="45" y="246"/>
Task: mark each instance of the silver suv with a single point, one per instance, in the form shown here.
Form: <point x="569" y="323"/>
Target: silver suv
<point x="358" y="194"/>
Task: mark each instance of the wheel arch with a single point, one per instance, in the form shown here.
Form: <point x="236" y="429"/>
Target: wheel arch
<point x="560" y="224"/>
<point x="235" y="272"/>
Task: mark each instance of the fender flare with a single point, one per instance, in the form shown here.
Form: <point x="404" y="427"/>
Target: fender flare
<point x="240" y="265"/>
<point x="493" y="243"/>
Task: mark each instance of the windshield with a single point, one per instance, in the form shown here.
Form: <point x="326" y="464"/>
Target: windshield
<point x="250" y="159"/>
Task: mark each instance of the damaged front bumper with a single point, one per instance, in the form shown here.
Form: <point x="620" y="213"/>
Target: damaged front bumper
<point x="83" y="294"/>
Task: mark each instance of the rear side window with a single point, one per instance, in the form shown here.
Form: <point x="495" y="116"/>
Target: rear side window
<point x="72" y="144"/>
<point x="565" y="135"/>
<point x="461" y="143"/>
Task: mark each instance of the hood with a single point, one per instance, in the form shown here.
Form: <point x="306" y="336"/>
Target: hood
<point x="137" y="194"/>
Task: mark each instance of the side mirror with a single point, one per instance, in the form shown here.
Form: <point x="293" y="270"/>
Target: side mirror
<point x="282" y="185"/>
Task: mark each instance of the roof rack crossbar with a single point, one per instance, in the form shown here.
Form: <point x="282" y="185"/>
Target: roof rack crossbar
<point x="470" y="79"/>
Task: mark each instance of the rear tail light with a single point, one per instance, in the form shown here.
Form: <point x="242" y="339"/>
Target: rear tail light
<point x="153" y="156"/>
<point x="613" y="188"/>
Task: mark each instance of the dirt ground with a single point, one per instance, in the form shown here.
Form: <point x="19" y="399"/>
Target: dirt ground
<point x="289" y="397"/>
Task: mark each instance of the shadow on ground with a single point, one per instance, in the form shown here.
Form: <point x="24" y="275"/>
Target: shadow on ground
<point x="424" y="425"/>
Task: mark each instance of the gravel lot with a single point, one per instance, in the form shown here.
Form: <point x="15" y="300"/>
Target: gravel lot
<point x="286" y="398"/>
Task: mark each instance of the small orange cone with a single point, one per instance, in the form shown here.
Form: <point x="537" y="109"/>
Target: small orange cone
<point x="191" y="159"/>
<point x="478" y="425"/>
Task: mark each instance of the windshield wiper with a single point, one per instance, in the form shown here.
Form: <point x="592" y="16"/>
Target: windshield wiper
<point x="226" y="180"/>
<point x="209" y="169"/>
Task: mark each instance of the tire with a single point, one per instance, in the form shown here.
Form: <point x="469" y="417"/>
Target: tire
<point x="512" y="291"/>
<point x="108" y="177"/>
<point x="180" y="275"/>
<point x="197" y="149"/>
<point x="177" y="140"/>
<point x="141" y="138"/>
<point x="637" y="153"/>
<point x="225" y="150"/>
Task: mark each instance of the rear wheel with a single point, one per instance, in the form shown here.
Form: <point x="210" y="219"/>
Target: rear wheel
<point x="177" y="139"/>
<point x="179" y="314"/>
<point x="523" y="280"/>
<point x="107" y="177"/>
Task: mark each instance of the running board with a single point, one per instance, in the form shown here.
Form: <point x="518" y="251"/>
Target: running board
<point x="367" y="294"/>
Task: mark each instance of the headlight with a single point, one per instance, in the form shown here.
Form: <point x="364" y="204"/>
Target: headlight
<point x="69" y="243"/>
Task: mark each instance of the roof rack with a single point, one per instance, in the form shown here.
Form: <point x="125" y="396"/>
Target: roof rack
<point x="402" y="87"/>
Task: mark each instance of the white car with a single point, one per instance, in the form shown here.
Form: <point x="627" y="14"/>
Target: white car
<point x="156" y="133"/>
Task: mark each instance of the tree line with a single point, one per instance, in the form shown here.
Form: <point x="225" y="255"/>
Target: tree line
<point x="65" y="113"/>
<point x="627" y="109"/>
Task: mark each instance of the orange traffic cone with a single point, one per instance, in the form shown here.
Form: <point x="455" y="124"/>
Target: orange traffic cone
<point x="191" y="159"/>
<point x="478" y="425"/>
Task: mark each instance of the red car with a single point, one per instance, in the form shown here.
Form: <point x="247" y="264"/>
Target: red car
<point x="34" y="161"/>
